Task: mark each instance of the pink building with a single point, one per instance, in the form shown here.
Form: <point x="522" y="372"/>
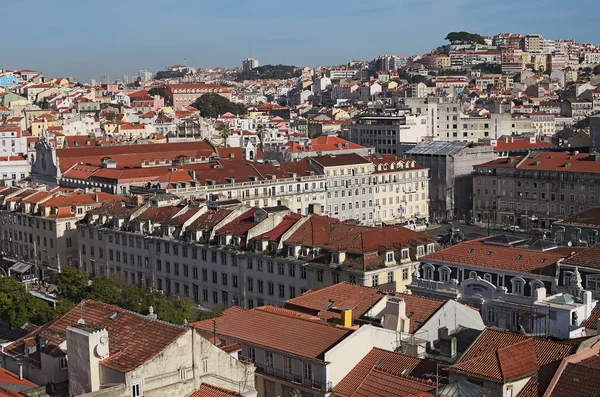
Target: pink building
<point x="186" y="94"/>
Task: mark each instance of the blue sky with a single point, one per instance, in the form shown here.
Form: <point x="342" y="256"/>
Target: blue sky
<point x="86" y="39"/>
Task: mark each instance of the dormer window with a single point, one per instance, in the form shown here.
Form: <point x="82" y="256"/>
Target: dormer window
<point x="420" y="250"/>
<point x="405" y="254"/>
<point x="335" y="258"/>
<point x="472" y="274"/>
<point x="430" y="248"/>
<point x="518" y="285"/>
<point x="389" y="257"/>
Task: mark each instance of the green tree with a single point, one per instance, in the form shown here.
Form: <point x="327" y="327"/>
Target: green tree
<point x="464" y="37"/>
<point x="17" y="306"/>
<point x="275" y="72"/>
<point x="596" y="69"/>
<point x="213" y="105"/>
<point x="261" y="132"/>
<point x="71" y="284"/>
<point x="162" y="92"/>
<point x="105" y="289"/>
<point x="223" y="131"/>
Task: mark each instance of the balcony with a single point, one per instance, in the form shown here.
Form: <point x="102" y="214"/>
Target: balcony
<point x="293" y="378"/>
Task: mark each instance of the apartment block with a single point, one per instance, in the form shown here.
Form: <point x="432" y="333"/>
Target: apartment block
<point x="537" y="189"/>
<point x="239" y="255"/>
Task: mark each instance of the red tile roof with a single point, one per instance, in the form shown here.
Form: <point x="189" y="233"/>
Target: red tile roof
<point x="592" y="321"/>
<point x="478" y="253"/>
<point x="324" y="143"/>
<point x="577" y="380"/>
<point x="503" y="145"/>
<point x="327" y="302"/>
<point x="292" y="335"/>
<point x="386" y="361"/>
<point x="548" y="354"/>
<point x="590" y="217"/>
<point x="548" y="161"/>
<point x="340" y="160"/>
<point x="588" y="257"/>
<point x="134" y="338"/>
<point x="506" y="364"/>
<point x="241" y="224"/>
<point x="380" y="383"/>
<point x="9" y="378"/>
<point x="207" y="390"/>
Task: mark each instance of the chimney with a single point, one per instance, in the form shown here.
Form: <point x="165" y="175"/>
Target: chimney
<point x="587" y="302"/>
<point x="539" y="294"/>
<point x="86" y="347"/>
<point x="20" y="371"/>
<point x="346" y="318"/>
<point x="394" y="317"/>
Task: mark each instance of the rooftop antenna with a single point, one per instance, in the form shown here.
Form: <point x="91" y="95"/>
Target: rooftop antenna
<point x="81" y="321"/>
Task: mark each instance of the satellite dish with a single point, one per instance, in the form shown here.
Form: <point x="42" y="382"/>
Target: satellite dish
<point x="102" y="350"/>
<point x="80" y="322"/>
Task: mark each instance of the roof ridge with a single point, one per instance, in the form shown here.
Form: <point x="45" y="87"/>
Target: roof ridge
<point x="401" y="375"/>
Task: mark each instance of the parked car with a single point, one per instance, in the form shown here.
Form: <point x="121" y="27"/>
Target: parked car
<point x="516" y="229"/>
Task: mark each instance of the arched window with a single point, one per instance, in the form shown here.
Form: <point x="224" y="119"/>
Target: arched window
<point x="535" y="284"/>
<point x="428" y="271"/>
<point x="487" y="277"/>
<point x="472" y="274"/>
<point x="444" y="273"/>
<point x="518" y="285"/>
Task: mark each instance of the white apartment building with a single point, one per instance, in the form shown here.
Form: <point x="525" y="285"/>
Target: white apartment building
<point x="239" y="255"/>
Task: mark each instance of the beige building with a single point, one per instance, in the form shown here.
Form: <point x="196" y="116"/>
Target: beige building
<point x="39" y="225"/>
<point x="102" y="350"/>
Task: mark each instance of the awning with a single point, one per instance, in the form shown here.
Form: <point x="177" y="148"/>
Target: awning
<point x="20" y="267"/>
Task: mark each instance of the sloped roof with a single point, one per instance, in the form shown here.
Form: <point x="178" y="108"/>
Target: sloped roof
<point x="134" y="338"/>
<point x="380" y="383"/>
<point x="292" y="335"/>
<point x="589" y="217"/>
<point x="329" y="301"/>
<point x="207" y="390"/>
<point x="506" y="364"/>
<point x="586" y="258"/>
<point x="383" y="360"/>
<point x="578" y="380"/>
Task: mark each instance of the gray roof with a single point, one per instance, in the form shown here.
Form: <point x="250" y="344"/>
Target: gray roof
<point x="463" y="388"/>
<point x="445" y="148"/>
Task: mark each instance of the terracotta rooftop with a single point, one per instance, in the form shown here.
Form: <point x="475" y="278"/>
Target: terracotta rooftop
<point x="328" y="302"/>
<point x="590" y="217"/>
<point x="548" y="354"/>
<point x="207" y="390"/>
<point x="588" y="257"/>
<point x="578" y="380"/>
<point x="324" y="143"/>
<point x="386" y="361"/>
<point x="241" y="224"/>
<point x="506" y="364"/>
<point x="380" y="383"/>
<point x="592" y="321"/>
<point x="291" y="335"/>
<point x="134" y="338"/>
<point x="504" y="145"/>
<point x="549" y="161"/>
<point x="478" y="253"/>
<point x="340" y="160"/>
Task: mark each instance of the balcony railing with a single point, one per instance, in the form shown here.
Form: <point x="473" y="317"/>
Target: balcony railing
<point x="294" y="378"/>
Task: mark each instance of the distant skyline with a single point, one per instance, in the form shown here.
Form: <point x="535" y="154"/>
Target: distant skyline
<point x="87" y="41"/>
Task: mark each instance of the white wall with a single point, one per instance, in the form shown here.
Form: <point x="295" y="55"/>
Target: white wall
<point x="451" y="315"/>
<point x="346" y="354"/>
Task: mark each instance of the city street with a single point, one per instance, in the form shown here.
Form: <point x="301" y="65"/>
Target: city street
<point x="470" y="231"/>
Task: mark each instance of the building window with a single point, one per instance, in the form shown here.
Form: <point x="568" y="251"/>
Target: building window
<point x="390" y="257"/>
<point x="593" y="283"/>
<point x="269" y="359"/>
<point x="136" y="388"/>
<point x="390" y="277"/>
<point x="287" y="365"/>
<point x="487" y="277"/>
<point x="320" y="275"/>
<point x="308" y="371"/>
<point x="336" y="277"/>
<point x="517" y="285"/>
<point x="428" y="271"/>
<point x="63" y="363"/>
<point x="491" y="315"/>
<point x="405" y="274"/>
<point x="303" y="272"/>
<point x="352" y="278"/>
<point x="473" y="275"/>
<point x="375" y="280"/>
<point x="444" y="274"/>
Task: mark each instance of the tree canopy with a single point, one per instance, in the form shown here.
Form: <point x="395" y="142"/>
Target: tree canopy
<point x="464" y="37"/>
<point x="162" y="92"/>
<point x="213" y="105"/>
<point x="276" y="72"/>
<point x="17" y="306"/>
